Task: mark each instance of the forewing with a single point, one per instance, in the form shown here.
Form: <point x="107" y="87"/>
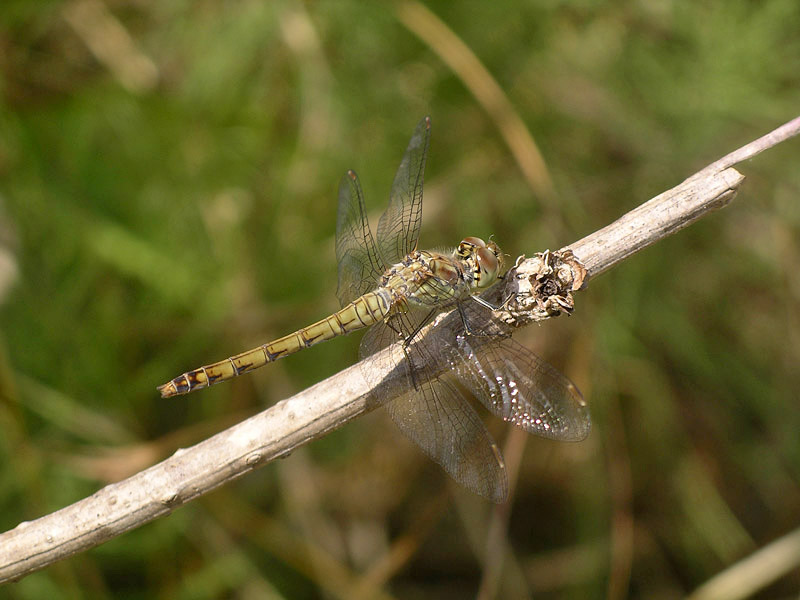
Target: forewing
<point x="398" y="228"/>
<point x="520" y="387"/>
<point x="360" y="266"/>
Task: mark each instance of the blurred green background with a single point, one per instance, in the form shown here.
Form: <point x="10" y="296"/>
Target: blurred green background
<point x="167" y="199"/>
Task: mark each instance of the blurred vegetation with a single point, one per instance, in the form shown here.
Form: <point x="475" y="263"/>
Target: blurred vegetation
<point x="168" y="176"/>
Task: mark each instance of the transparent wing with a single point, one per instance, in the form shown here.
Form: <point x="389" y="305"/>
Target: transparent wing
<point x="435" y="414"/>
<point x="360" y="266"/>
<point x="515" y="384"/>
<point x="397" y="327"/>
<point x="398" y="228"/>
<point x="439" y="419"/>
<point x="443" y="363"/>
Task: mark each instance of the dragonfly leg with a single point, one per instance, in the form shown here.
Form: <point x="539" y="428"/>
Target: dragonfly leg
<point x="464" y="319"/>
<point x="407" y="339"/>
<point x="407" y="342"/>
<point x="422" y="324"/>
<point x="489" y="305"/>
<point x="411" y="370"/>
<point x="483" y="331"/>
<point x="390" y="325"/>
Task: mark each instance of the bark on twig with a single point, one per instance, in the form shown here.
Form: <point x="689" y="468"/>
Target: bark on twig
<point x="341" y="398"/>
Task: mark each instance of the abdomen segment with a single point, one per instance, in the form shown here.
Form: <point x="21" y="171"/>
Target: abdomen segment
<point x="362" y="312"/>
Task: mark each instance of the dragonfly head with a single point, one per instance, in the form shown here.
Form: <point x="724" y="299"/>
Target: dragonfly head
<point x="483" y="260"/>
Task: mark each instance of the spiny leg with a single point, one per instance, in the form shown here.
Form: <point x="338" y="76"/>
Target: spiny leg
<point x="407" y="340"/>
<point x="483" y="331"/>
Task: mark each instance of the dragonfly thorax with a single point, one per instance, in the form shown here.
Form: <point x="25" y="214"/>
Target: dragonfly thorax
<point x="482" y="262"/>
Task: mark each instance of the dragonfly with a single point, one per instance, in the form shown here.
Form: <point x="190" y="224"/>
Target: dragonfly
<point x="449" y="357"/>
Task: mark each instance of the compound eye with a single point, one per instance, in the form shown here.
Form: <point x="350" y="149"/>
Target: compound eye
<point x="474" y="241"/>
<point x="488" y="266"/>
